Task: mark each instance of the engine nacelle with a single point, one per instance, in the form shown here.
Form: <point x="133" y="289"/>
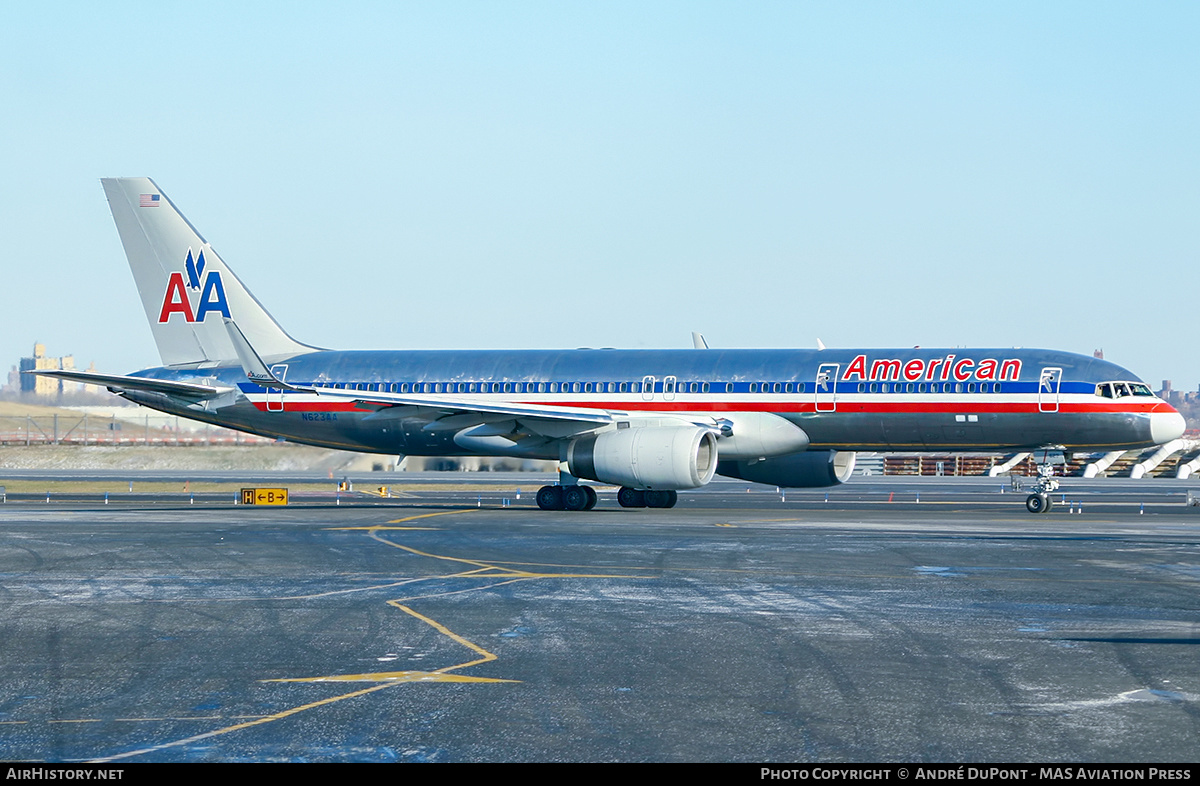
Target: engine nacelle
<point x="810" y="469"/>
<point x="646" y="457"/>
<point x="757" y="435"/>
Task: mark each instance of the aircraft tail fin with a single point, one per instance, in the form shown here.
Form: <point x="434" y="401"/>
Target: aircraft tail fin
<point x="186" y="288"/>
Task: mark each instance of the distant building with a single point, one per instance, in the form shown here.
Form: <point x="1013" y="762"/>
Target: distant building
<point x="1169" y="395"/>
<point x="46" y="387"/>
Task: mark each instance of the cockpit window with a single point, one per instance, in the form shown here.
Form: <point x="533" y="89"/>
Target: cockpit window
<point x="1122" y="389"/>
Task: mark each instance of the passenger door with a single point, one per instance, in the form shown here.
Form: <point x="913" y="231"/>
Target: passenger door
<point x="825" y="389"/>
<point x="1048" y="387"/>
<point x="275" y="395"/>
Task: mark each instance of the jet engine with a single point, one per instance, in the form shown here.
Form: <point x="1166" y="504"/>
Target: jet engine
<point x="646" y="457"/>
<point x="810" y="469"/>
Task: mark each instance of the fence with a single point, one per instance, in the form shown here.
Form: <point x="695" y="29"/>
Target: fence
<point x="97" y="430"/>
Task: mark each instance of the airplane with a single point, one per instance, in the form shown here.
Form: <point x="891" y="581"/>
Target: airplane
<point x="652" y="422"/>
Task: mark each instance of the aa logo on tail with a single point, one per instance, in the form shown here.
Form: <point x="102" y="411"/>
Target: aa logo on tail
<point x="177" y="299"/>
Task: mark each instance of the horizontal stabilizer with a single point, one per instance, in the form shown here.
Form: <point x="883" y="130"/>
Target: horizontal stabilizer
<point x="118" y="382"/>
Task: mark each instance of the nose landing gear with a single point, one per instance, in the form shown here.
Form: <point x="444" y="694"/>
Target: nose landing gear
<point x="1039" y="501"/>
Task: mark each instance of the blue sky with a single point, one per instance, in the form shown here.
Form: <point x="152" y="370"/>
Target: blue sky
<point x="515" y="175"/>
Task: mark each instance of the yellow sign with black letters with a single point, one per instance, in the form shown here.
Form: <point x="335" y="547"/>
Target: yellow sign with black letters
<point x="264" y="496"/>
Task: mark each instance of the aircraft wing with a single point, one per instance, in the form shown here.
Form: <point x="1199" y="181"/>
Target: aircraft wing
<point x="379" y="400"/>
<point x="117" y="383"/>
<point x="258" y="372"/>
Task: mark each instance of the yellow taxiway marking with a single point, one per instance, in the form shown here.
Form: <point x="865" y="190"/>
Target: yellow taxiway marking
<point x="479" y="569"/>
<point x="249" y="724"/>
<point x="160" y="720"/>
<point x="394" y="676"/>
<point x="373" y="527"/>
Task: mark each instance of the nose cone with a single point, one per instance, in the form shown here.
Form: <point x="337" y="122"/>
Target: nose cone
<point x="1166" y="426"/>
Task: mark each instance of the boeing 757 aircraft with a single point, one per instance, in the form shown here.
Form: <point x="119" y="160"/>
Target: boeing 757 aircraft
<point x="652" y="422"/>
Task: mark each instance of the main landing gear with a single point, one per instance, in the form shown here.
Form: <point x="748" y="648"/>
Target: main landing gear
<point x="574" y="497"/>
<point x="1039" y="501"/>
<point x="566" y="498"/>
<point x="632" y="498"/>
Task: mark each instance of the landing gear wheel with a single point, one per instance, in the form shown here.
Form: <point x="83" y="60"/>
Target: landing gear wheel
<point x="592" y="498"/>
<point x="661" y="499"/>
<point x="550" y="498"/>
<point x="575" y="497"/>
<point x="631" y="498"/>
<point x="1040" y="501"/>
